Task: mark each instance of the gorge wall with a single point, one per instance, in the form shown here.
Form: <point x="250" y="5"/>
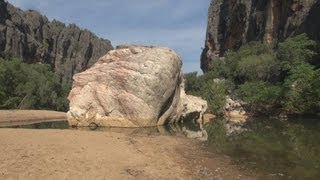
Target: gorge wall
<point x="232" y="23"/>
<point x="33" y="38"/>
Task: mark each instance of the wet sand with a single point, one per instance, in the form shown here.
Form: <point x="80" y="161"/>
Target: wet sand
<point x="76" y="154"/>
<point x="12" y="117"/>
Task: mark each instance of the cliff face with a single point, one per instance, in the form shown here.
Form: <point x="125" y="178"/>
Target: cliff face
<point x="31" y="37"/>
<point x="232" y="23"/>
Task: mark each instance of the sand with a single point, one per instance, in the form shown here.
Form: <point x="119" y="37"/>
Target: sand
<point x="82" y="154"/>
<point x="78" y="154"/>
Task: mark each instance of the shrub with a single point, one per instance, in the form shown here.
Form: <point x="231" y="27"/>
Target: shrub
<point x="193" y="83"/>
<point x="261" y="96"/>
<point x="210" y="88"/>
<point x="252" y="62"/>
<point x="302" y="89"/>
<point x="295" y="50"/>
<point x="215" y="94"/>
<point x="30" y="86"/>
<point x="261" y="67"/>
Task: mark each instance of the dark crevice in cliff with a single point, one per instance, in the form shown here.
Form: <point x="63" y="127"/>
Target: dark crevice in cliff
<point x="257" y="21"/>
<point x="88" y="55"/>
<point x="223" y="24"/>
<point x="236" y="28"/>
<point x="312" y="23"/>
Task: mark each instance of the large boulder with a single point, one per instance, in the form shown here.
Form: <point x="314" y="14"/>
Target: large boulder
<point x="132" y="86"/>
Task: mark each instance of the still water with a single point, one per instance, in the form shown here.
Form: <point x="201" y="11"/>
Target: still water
<point x="280" y="149"/>
<point x="283" y="149"/>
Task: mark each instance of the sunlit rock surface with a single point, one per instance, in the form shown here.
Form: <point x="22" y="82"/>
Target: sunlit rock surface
<point x="234" y="111"/>
<point x="193" y="108"/>
<point x="132" y="86"/>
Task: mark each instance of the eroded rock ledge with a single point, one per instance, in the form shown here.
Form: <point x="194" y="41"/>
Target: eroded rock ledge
<point x="132" y="86"/>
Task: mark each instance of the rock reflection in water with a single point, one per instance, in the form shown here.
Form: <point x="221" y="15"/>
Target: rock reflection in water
<point x="189" y="130"/>
<point x="234" y="126"/>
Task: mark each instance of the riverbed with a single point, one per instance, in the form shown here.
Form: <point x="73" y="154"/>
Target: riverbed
<point x="261" y="148"/>
<point x="84" y="154"/>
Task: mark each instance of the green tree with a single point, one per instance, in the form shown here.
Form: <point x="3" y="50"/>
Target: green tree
<point x="302" y="95"/>
<point x="210" y="88"/>
<point x="261" y="67"/>
<point x="215" y="94"/>
<point x="296" y="50"/>
<point x="252" y="62"/>
<point x="193" y="84"/>
<point x="261" y="96"/>
<point x="30" y="86"/>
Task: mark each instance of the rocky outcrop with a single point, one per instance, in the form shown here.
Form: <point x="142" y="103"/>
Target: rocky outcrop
<point x="232" y="23"/>
<point x="33" y="38"/>
<point x="132" y="86"/>
<point x="234" y="111"/>
<point x="207" y="118"/>
<point x="193" y="108"/>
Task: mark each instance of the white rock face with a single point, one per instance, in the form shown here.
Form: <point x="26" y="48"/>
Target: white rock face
<point x="194" y="108"/>
<point x="132" y="86"/>
<point x="234" y="111"/>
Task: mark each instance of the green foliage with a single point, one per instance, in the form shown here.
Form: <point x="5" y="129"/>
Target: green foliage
<point x="252" y="62"/>
<point x="193" y="83"/>
<point x="296" y="50"/>
<point x="30" y="86"/>
<point x="215" y="94"/>
<point x="257" y="67"/>
<point x="267" y="79"/>
<point x="209" y="88"/>
<point x="301" y="86"/>
<point x="259" y="93"/>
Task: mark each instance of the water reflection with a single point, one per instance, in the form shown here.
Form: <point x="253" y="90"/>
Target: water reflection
<point x="36" y="125"/>
<point x="282" y="149"/>
<point x="187" y="129"/>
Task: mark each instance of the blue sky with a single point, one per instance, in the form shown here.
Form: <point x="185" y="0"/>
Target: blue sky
<point x="178" y="24"/>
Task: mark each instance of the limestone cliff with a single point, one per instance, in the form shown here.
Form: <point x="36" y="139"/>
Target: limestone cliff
<point x="33" y="38"/>
<point x="232" y="23"/>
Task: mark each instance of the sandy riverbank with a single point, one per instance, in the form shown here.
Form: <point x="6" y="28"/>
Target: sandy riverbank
<point x="25" y="116"/>
<point x="75" y="154"/>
